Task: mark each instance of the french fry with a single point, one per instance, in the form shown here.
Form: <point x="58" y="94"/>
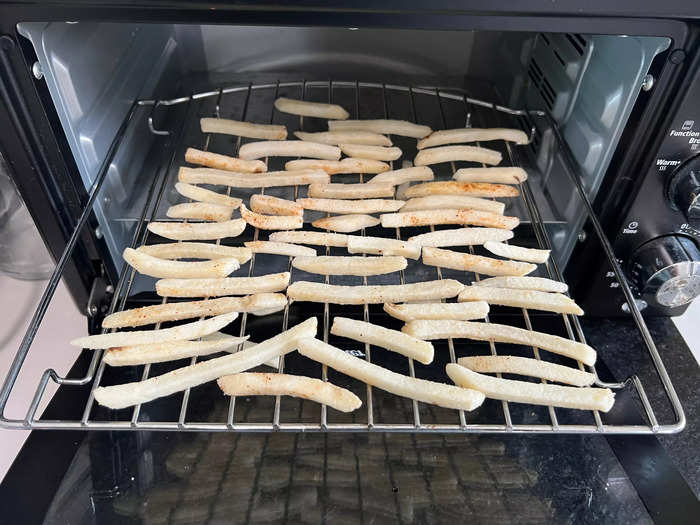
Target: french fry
<point x="429" y="217"/>
<point x="164" y="335"/>
<point x="453" y="202"/>
<point x="390" y="293"/>
<point x="265" y="384"/>
<point x="271" y="222"/>
<point x="421" y="351"/>
<point x="501" y="333"/>
<point x="204" y="211"/>
<point x="540" y="284"/>
<point x="243" y="129"/>
<point x="155" y="267"/>
<point x="280" y="248"/>
<point x="121" y="396"/>
<point x="549" y="302"/>
<point x="351" y="206"/>
<point x="450" y="187"/>
<point x="335" y="138"/>
<point x="274" y="205"/>
<point x="204" y="195"/>
<point x="491" y="175"/>
<point x="461" y="237"/>
<point x="341" y="265"/>
<point x="453" y="311"/>
<point x="524" y="366"/>
<point x="350" y="191"/>
<point x="224" y="162"/>
<point x="463" y="135"/>
<point x="317" y="238"/>
<point x="385" y="127"/>
<point x="413" y="388"/>
<point x="195" y="250"/>
<point x="185" y="231"/>
<point x="397" y="177"/>
<point x="382" y="246"/>
<point x="429" y="156"/>
<point x="288" y="148"/>
<point x="335" y="167"/>
<point x="247" y="180"/>
<point x="364" y="151"/>
<point x="517" y="252"/>
<point x="474" y="263"/>
<point x="601" y="399"/>
<point x="310" y="109"/>
<point x="346" y="223"/>
<point x="273" y="282"/>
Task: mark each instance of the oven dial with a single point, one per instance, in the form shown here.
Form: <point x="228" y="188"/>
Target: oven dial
<point x="666" y="271"/>
<point x="684" y="190"/>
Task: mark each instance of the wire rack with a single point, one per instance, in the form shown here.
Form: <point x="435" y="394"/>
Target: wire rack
<point x="437" y="107"/>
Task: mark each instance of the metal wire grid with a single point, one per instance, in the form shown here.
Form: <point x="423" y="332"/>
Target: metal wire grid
<point x="156" y="191"/>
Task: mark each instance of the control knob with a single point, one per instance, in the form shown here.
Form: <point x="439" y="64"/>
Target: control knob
<point x="684" y="190"/>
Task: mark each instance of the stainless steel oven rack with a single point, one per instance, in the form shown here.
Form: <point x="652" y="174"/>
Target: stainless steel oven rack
<point x="474" y="110"/>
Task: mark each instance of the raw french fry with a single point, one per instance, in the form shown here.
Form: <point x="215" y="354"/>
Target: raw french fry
<point x="203" y="195"/>
<point x="533" y="393"/>
<point x="345" y="137"/>
<point x="351" y="191"/>
<point x="160" y="313"/>
<point x="162" y="352"/>
<point x="382" y="246"/>
<point x="224" y="162"/>
<point x="390" y="293"/>
<point x="474" y="263"/>
<point x="450" y="187"/>
<point x="195" y="250"/>
<point x="265" y="384"/>
<point x="248" y="180"/>
<point x="274" y="205"/>
<point x="184" y="231"/>
<point x="452" y="202"/>
<point x="524" y="366"/>
<point x="280" y="248"/>
<point x="517" y="252"/>
<point x="383" y="126"/>
<point x="317" y="238"/>
<point x="271" y="222"/>
<point x="550" y="302"/>
<point x="397" y="177"/>
<point x="341" y="265"/>
<point x="430" y="156"/>
<point x="310" y="109"/>
<point x="421" y="351"/>
<point x="243" y="129"/>
<point x="461" y="237"/>
<point x="463" y="135"/>
<point x="428" y="217"/>
<point x="454" y="311"/>
<point x="346" y="223"/>
<point x="501" y="333"/>
<point x="121" y="396"/>
<point x="540" y="284"/>
<point x="419" y="389"/>
<point x="364" y="151"/>
<point x="491" y="175"/>
<point x="164" y="335"/>
<point x="334" y="167"/>
<point x="273" y="282"/>
<point x="204" y="211"/>
<point x="148" y="265"/>
<point x="351" y="206"/>
<point x="288" y="148"/>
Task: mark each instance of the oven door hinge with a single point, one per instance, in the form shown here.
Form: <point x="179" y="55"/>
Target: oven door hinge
<point x="100" y="297"/>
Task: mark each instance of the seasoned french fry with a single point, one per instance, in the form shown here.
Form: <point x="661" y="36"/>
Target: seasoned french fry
<point x="195" y="250"/>
<point x="450" y="187"/>
<point x="184" y="231"/>
<point x="317" y="238"/>
<point x="549" y="302"/>
<point x="397" y="177"/>
<point x="501" y="333"/>
<point x="461" y="237"/>
<point x="288" y="148"/>
<point x="204" y="211"/>
<point x="273" y="282"/>
<point x="430" y="156"/>
<point x="280" y="248"/>
<point x="341" y="265"/>
<point x="204" y="195"/>
<point x="265" y="384"/>
<point x="540" y="284"/>
<point x="334" y="167"/>
<point x="247" y="180"/>
<point x="533" y="393"/>
<point x="524" y="366"/>
<point x="351" y="191"/>
<point x="390" y="293"/>
<point x="453" y="202"/>
<point x="335" y="138"/>
<point x="310" y="109"/>
<point x="463" y="135"/>
<point x="385" y="127"/>
<point x="346" y="223"/>
<point x="382" y="246"/>
<point x="164" y="335"/>
<point x="517" y="252"/>
<point x="121" y="396"/>
<point x="491" y="175"/>
<point x="274" y="205"/>
<point x="454" y="311"/>
<point x="243" y="129"/>
<point x="148" y="265"/>
<point x="351" y="206"/>
<point x="428" y="217"/>
<point x="474" y="263"/>
<point x="271" y="222"/>
<point x="364" y="151"/>
<point x="419" y="389"/>
<point x="224" y="162"/>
